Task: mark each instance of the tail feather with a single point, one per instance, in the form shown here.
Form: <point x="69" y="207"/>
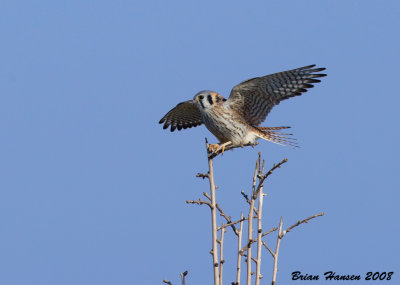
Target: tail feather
<point x="273" y="128"/>
<point x="276" y="137"/>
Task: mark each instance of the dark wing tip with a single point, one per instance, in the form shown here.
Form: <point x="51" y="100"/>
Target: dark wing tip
<point x="309" y="68"/>
<point x="162" y="120"/>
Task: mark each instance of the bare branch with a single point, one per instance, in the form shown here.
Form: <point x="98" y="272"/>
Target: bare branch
<point x="265" y="176"/>
<point x="213" y="218"/>
<point x="245" y="197"/>
<point x="250" y="226"/>
<point x="239" y="258"/>
<point x="167" y="282"/>
<point x="270" y="231"/>
<point x="300" y="222"/>
<point x="259" y="224"/>
<point x="202" y="175"/>
<point x="227" y="218"/>
<point x="199" y="202"/>
<point x="278" y="244"/>
<point x="256" y="240"/>
<point x="211" y="155"/>
<point x="221" y="252"/>
<point x="183" y="275"/>
<point x="207" y="195"/>
<point x="230" y="224"/>
<point x="267" y="247"/>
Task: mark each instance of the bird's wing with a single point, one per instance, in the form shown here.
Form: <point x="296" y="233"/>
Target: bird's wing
<point x="254" y="98"/>
<point x="184" y="115"/>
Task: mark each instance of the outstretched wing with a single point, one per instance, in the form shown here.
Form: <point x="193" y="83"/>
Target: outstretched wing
<point x="184" y="115"/>
<point x="254" y="98"/>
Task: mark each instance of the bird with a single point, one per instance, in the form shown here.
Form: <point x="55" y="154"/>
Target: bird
<point x="236" y="121"/>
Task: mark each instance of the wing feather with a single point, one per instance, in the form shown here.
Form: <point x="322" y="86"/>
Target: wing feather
<point x="184" y="115"/>
<point x="254" y="98"/>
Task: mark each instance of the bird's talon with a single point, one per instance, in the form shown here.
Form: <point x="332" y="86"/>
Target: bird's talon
<point x="213" y="148"/>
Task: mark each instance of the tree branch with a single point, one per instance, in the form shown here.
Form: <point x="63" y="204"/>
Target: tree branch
<point x="230" y="147"/>
<point x="250" y="226"/>
<point x="239" y="258"/>
<point x="278" y="244"/>
<point x="301" y="222"/>
<point x="199" y="202"/>
<point x="259" y="223"/>
<point x="221" y="254"/>
<point x="183" y="275"/>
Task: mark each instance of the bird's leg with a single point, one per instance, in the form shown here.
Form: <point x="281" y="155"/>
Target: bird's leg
<point x="217" y="147"/>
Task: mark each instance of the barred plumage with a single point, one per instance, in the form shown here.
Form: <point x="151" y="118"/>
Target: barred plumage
<point x="236" y="120"/>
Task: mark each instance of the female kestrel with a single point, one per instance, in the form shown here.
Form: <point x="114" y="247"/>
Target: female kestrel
<point x="236" y="121"/>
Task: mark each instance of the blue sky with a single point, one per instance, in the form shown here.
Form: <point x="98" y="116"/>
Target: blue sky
<point x="93" y="191"/>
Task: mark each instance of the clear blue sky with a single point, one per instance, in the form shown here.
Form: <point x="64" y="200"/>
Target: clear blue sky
<point x="93" y="191"/>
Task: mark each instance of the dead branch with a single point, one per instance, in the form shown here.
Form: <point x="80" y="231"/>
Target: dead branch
<point x="250" y="226"/>
<point x="227" y="218"/>
<point x="221" y="254"/>
<point x="278" y="244"/>
<point x="270" y="251"/>
<point x="202" y="175"/>
<point x="265" y="176"/>
<point x="255" y="212"/>
<point x="239" y="258"/>
<point x="230" y="224"/>
<point x="211" y="155"/>
<point x="256" y="240"/>
<point x="213" y="216"/>
<point x="199" y="202"/>
<point x="207" y="196"/>
<point x="183" y="275"/>
<point x="281" y="234"/>
<point x="301" y="222"/>
<point x="270" y="231"/>
<point x="259" y="223"/>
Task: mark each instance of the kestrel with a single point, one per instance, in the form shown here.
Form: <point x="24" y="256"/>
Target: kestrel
<point x="236" y="121"/>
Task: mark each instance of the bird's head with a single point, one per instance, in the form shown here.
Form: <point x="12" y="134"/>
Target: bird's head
<point x="208" y="99"/>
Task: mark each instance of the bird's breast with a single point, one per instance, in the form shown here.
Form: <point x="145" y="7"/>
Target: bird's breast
<point x="225" y="124"/>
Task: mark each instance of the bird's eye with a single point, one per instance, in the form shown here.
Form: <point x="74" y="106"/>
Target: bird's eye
<point x="201" y="97"/>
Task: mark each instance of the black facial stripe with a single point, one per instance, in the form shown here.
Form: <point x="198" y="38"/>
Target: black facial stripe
<point x="201" y="103"/>
<point x="209" y="99"/>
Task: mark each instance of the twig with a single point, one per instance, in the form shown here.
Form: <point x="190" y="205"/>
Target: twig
<point x="300" y="222"/>
<point x="239" y="258"/>
<point x="245" y="197"/>
<point x="230" y="224"/>
<point x="213" y="217"/>
<point x="227" y="218"/>
<point x="259" y="223"/>
<point x="167" y="282"/>
<point x="207" y="195"/>
<point x="270" y="251"/>
<point x="281" y="234"/>
<point x="270" y="231"/>
<point x="265" y="176"/>
<point x="278" y="244"/>
<point x="256" y="240"/>
<point x="250" y="227"/>
<point x="202" y="175"/>
<point x="221" y="255"/>
<point x="199" y="202"/>
<point x="229" y="147"/>
<point x="183" y="275"/>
